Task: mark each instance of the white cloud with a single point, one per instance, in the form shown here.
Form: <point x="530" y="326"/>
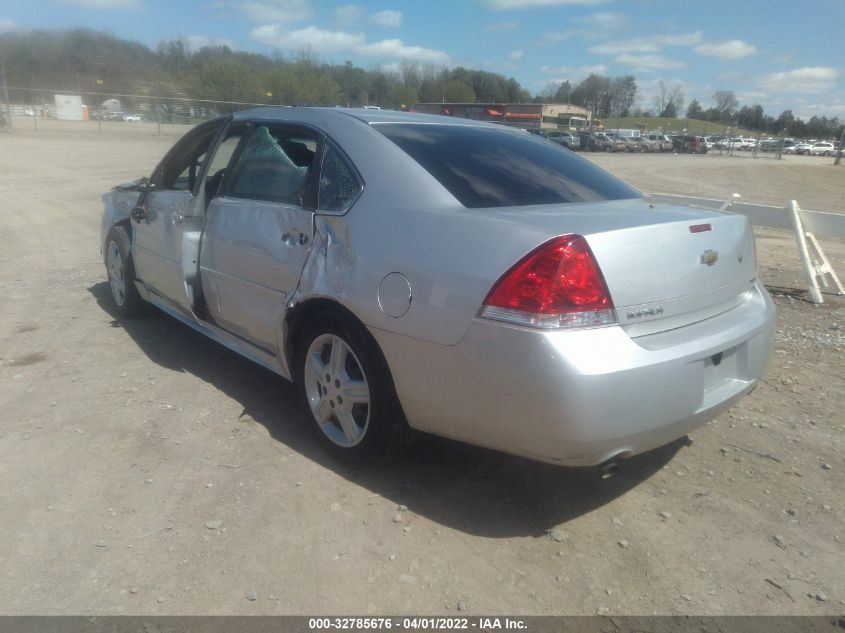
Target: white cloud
<point x="349" y="14"/>
<point x="731" y="49"/>
<point x="603" y="19"/>
<point x="573" y="73"/>
<point x="652" y="44"/>
<point x="648" y="63"/>
<point x="396" y="48"/>
<point x="104" y="4"/>
<point x="810" y="79"/>
<point x="196" y="42"/>
<point x="835" y="108"/>
<point x="501" y="27"/>
<point x="553" y="37"/>
<point x="6" y="25"/>
<point x="309" y="38"/>
<point x="516" y="56"/>
<point x="507" y="5"/>
<point x="682" y="39"/>
<point x="322" y="41"/>
<point x="625" y="46"/>
<point x="277" y="11"/>
<point x="387" y="18"/>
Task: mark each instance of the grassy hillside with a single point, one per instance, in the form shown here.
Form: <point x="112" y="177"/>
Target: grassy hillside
<point x="693" y="126"/>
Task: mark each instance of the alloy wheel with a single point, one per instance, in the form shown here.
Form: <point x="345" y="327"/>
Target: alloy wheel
<point x="117" y="276"/>
<point x="337" y="390"/>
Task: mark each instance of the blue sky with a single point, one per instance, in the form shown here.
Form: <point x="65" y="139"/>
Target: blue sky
<point x="773" y="52"/>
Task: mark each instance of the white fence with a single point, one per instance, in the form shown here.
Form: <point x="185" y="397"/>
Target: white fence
<point x="804" y="223"/>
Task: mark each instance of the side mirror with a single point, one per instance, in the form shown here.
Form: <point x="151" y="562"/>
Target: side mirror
<point x="139" y="213"/>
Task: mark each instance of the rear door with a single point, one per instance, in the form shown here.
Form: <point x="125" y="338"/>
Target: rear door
<point x="258" y="231"/>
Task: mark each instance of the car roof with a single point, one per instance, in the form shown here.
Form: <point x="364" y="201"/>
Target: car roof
<point x="325" y="115"/>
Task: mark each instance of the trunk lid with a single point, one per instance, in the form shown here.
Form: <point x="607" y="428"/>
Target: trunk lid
<point x="665" y="266"/>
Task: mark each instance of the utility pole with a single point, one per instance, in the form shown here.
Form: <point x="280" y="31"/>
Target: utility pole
<point x="6" y="98"/>
<point x="158" y="107"/>
<point x="839" y="151"/>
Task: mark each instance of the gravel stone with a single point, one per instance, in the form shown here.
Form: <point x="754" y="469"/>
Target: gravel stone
<point x="213" y="525"/>
<point x="561" y="536"/>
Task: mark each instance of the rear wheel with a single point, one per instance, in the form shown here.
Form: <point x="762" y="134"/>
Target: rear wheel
<point x="345" y="386"/>
<point x="121" y="271"/>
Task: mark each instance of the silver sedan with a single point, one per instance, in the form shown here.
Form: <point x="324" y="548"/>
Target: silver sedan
<point x="423" y="273"/>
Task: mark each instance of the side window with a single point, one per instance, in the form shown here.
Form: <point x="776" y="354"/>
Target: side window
<point x="273" y="166"/>
<point x="338" y="185"/>
<point x="183" y="166"/>
<point x="220" y="160"/>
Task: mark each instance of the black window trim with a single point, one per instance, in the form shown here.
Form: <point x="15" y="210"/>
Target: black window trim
<point x="179" y="148"/>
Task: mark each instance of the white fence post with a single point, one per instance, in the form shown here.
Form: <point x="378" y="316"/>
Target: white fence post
<point x="816" y="265"/>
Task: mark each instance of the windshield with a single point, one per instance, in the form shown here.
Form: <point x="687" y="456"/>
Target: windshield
<point x="489" y="167"/>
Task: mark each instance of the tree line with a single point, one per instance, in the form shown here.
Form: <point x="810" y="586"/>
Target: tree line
<point x="97" y="62"/>
<point x="727" y="111"/>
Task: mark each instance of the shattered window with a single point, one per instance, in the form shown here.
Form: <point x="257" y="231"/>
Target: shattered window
<point x="271" y="167"/>
<point x="338" y="185"/>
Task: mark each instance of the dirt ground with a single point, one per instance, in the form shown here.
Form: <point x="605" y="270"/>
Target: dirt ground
<point x="147" y="470"/>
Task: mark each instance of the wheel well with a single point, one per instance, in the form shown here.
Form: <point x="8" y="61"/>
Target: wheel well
<point x="126" y="224"/>
<point x="310" y="309"/>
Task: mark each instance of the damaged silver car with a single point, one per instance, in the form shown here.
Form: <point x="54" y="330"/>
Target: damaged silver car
<point x="423" y="273"/>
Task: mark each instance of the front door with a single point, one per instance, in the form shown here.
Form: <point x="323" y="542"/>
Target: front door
<point x="157" y="237"/>
<point x="258" y="232"/>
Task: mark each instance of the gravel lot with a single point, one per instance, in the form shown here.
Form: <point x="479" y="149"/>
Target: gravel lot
<point x="147" y="470"/>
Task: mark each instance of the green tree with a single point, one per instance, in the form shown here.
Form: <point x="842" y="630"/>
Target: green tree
<point x="455" y="91"/>
<point x="725" y="105"/>
<point x="401" y="97"/>
<point x="694" y="110"/>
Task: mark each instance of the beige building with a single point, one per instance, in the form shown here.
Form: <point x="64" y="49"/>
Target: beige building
<point x="546" y="116"/>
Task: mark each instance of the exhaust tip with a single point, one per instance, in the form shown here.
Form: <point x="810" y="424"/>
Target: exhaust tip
<point x="609" y="470"/>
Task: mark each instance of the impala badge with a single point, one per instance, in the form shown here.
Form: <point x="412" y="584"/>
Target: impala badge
<point x="709" y="257"/>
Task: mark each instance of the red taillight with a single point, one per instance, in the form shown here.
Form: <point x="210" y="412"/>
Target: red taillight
<point x="556" y="285"/>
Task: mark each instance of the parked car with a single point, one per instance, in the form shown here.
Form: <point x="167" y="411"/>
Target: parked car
<point x="802" y="148"/>
<point x="459" y="278"/>
<point x="600" y="142"/>
<point x="740" y="143"/>
<point x="567" y="139"/>
<point x="131" y="117"/>
<point x="688" y="144"/>
<point x="823" y="148"/>
<point x="655" y="142"/>
<point x="631" y="143"/>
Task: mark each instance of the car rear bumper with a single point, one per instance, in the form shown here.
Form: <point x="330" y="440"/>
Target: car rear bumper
<point x="581" y="397"/>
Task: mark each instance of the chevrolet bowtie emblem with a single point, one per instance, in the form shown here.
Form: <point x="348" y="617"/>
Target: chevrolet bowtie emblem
<point x="709" y="257"/>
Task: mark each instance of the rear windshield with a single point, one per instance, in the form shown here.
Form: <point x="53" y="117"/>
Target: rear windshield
<point x="487" y="167"/>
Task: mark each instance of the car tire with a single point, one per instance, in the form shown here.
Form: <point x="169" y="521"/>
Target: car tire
<point x="121" y="273"/>
<point x="337" y="360"/>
